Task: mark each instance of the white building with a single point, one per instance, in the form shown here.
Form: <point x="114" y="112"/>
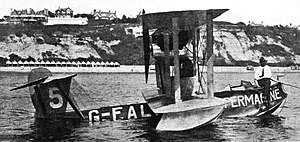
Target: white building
<point x="66" y="21"/>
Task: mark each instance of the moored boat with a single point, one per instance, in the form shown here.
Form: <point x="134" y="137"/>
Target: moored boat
<point x="249" y="100"/>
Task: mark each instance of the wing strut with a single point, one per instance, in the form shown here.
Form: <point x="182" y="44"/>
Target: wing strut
<point x="67" y="97"/>
<point x="146" y="42"/>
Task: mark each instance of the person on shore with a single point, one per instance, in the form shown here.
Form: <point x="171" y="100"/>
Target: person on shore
<point x="263" y="77"/>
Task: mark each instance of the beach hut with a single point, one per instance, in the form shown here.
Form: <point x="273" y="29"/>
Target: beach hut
<point x="8" y="63"/>
<point x="47" y="63"/>
<point x="93" y="64"/>
<point x="102" y="64"/>
<point x="26" y="63"/>
<point x="88" y="64"/>
<point x="117" y="64"/>
<point x="20" y="63"/>
<point x="107" y="64"/>
<point x="37" y="63"/>
<point x="58" y="63"/>
<point x="53" y="64"/>
<point x="73" y="64"/>
<point x="83" y="63"/>
<point x="14" y="63"/>
<point x="42" y="63"/>
<point x="69" y="64"/>
<point x="31" y="64"/>
<point x="78" y="64"/>
<point x="111" y="64"/>
<point x="98" y="64"/>
<point x="63" y="64"/>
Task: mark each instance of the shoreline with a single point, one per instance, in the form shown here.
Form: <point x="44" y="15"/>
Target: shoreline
<point x="121" y="69"/>
<point x="131" y="69"/>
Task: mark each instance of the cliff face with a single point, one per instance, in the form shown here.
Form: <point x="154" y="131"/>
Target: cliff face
<point x="67" y="49"/>
<point x="233" y="45"/>
<point x="238" y="46"/>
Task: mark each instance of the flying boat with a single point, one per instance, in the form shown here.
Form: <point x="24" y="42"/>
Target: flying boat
<point x="182" y="98"/>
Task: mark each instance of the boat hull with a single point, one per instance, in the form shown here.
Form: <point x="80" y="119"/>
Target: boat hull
<point x="251" y="102"/>
<point x="189" y="114"/>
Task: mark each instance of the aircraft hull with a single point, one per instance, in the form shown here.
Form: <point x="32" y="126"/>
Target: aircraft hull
<point x="111" y="113"/>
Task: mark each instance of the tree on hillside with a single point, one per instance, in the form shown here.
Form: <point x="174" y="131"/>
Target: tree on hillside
<point x="2" y="61"/>
<point x="88" y="16"/>
<point x="51" y="14"/>
<point x="14" y="57"/>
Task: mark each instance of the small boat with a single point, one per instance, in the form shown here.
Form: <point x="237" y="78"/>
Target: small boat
<point x="174" y="100"/>
<point x="250" y="68"/>
<point x="248" y="100"/>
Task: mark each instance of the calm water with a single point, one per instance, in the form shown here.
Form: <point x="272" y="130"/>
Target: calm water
<point x="17" y="121"/>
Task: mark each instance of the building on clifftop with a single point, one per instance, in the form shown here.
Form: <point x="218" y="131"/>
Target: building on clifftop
<point x="64" y="12"/>
<point x="64" y="16"/>
<point x="104" y="15"/>
<point x="28" y="16"/>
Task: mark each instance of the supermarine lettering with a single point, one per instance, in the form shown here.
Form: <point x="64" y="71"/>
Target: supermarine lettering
<point x="248" y="99"/>
<point x="274" y="94"/>
<point x="252" y="99"/>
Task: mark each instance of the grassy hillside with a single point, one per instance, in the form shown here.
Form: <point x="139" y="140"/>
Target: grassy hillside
<point x="129" y="50"/>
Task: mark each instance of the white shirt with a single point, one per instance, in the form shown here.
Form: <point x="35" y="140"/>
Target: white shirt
<point x="262" y="72"/>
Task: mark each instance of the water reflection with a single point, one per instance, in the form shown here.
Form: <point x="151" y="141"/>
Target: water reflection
<point x="267" y="128"/>
<point x="52" y="129"/>
<point x="254" y="128"/>
<point x="206" y="133"/>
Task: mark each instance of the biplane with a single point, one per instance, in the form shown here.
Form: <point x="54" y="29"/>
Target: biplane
<point x="181" y="99"/>
<point x="173" y="105"/>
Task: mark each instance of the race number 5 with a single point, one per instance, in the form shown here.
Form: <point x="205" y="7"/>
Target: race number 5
<point x="56" y="100"/>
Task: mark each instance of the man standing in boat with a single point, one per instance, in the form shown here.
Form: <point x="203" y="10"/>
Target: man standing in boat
<point x="263" y="77"/>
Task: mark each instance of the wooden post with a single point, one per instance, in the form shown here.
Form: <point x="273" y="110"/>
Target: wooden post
<point x="167" y="80"/>
<point x="175" y="32"/>
<point x="209" y="48"/>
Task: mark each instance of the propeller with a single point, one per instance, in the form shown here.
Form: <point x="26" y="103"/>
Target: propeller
<point x="146" y="44"/>
<point x="44" y="80"/>
<point x="31" y="83"/>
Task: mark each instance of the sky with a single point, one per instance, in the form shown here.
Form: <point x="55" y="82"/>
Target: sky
<point x="267" y="12"/>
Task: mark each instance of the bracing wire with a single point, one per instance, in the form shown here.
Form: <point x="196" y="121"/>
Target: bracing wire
<point x="201" y="39"/>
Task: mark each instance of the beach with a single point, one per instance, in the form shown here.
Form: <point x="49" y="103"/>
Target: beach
<point x="130" y="69"/>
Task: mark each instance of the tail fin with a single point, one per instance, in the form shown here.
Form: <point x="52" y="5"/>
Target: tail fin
<point x="49" y="94"/>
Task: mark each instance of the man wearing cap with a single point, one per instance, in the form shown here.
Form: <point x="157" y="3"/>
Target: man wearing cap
<point x="263" y="77"/>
